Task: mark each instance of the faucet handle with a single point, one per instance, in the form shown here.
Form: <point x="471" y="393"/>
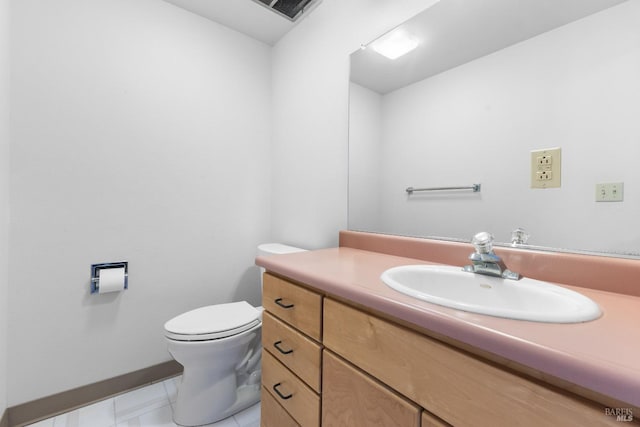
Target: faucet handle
<point x="519" y="236"/>
<point x="483" y="242"/>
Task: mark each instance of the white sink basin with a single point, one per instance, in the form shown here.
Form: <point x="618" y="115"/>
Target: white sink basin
<point x="524" y="299"/>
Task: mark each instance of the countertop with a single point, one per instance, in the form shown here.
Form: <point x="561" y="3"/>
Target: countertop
<point x="601" y="355"/>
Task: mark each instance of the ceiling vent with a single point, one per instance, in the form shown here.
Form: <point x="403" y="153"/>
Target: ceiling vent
<point x="290" y="9"/>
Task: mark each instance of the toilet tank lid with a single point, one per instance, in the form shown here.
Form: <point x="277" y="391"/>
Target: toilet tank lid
<point x="267" y="249"/>
<point x="213" y="319"/>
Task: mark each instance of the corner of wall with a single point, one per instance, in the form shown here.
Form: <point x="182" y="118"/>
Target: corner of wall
<point x="310" y="116"/>
<point x="4" y="201"/>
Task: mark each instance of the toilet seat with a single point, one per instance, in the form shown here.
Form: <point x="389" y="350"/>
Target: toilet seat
<point x="213" y="322"/>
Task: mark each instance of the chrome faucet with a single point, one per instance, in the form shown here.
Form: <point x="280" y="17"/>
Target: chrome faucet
<point x="485" y="261"/>
<point x="519" y="236"/>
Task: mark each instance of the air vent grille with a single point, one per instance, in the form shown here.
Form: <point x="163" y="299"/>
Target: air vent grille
<point x="291" y="9"/>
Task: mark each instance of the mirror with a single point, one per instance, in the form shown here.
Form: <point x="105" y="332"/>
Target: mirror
<point x="488" y="83"/>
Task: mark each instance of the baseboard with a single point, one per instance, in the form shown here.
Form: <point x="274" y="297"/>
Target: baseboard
<point x="50" y="406"/>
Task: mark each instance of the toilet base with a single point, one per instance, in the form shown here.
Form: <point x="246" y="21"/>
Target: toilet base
<point x="217" y="381"/>
<point x="246" y="396"/>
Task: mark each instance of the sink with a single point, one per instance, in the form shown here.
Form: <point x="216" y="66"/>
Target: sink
<point x="524" y="299"/>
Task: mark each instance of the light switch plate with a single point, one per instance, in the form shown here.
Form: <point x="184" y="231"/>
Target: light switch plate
<point x="610" y="192"/>
<point x="546" y="167"/>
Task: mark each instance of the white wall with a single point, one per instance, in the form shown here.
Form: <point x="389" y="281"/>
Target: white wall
<point x="365" y="139"/>
<point x="310" y="140"/>
<point x="140" y="132"/>
<point x="4" y="195"/>
<point x="479" y="122"/>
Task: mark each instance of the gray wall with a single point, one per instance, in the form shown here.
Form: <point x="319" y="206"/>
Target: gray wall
<point x="4" y="195"/>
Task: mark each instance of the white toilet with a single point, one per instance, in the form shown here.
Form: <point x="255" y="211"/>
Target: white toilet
<point x="219" y="347"/>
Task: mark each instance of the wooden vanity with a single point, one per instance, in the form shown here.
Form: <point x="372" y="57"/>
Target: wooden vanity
<point x="331" y="359"/>
<point x="328" y="363"/>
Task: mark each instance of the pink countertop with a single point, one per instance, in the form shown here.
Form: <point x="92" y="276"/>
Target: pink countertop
<point x="601" y="355"/>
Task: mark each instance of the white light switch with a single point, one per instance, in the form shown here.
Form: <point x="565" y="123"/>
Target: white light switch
<point x="610" y="192"/>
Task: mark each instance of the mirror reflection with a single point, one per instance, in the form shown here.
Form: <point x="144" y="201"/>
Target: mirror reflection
<point x="484" y="85"/>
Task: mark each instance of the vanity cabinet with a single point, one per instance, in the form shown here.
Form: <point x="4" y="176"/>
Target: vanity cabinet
<point x="456" y="386"/>
<point x="350" y="367"/>
<point x="292" y="353"/>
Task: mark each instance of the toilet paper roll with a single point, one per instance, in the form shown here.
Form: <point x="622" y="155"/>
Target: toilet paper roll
<point x="111" y="280"/>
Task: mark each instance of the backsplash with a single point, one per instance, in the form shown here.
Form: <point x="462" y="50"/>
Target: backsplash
<point x="609" y="274"/>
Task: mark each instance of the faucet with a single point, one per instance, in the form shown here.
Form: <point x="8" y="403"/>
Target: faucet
<point x="485" y="261"/>
<point x="519" y="236"/>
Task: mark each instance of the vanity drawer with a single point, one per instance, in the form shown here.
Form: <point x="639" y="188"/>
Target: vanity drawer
<point x="294" y="350"/>
<point x="355" y="399"/>
<point x="300" y="401"/>
<point x="293" y="304"/>
<point x="450" y="383"/>
<point x="272" y="414"/>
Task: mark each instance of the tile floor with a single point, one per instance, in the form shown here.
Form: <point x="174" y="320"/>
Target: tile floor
<point x="150" y="406"/>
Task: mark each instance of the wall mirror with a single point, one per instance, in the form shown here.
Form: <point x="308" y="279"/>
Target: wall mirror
<point x="484" y="84"/>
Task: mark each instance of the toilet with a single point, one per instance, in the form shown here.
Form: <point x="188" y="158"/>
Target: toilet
<point x="219" y="347"/>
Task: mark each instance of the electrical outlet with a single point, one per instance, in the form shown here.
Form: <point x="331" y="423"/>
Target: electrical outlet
<point x="544" y="160"/>
<point x="610" y="192"/>
<point x="545" y="168"/>
<point x="544" y="176"/>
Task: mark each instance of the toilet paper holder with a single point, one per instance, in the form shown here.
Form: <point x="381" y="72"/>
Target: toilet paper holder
<point x="95" y="276"/>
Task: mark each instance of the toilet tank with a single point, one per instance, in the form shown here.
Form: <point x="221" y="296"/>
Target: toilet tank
<point x="268" y="249"/>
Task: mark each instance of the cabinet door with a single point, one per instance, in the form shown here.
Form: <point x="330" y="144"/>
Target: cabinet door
<point x="430" y="420"/>
<point x="352" y="398"/>
<point x="456" y="386"/>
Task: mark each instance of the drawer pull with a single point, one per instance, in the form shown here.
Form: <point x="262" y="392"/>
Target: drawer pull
<point x="282" y="396"/>
<point x="277" y="346"/>
<point x="281" y="304"/>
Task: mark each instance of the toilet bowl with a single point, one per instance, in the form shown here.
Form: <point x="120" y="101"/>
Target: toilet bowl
<point x="219" y="347"/>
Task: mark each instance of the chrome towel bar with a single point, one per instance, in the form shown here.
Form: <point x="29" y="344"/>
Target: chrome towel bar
<point x="474" y="187"/>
